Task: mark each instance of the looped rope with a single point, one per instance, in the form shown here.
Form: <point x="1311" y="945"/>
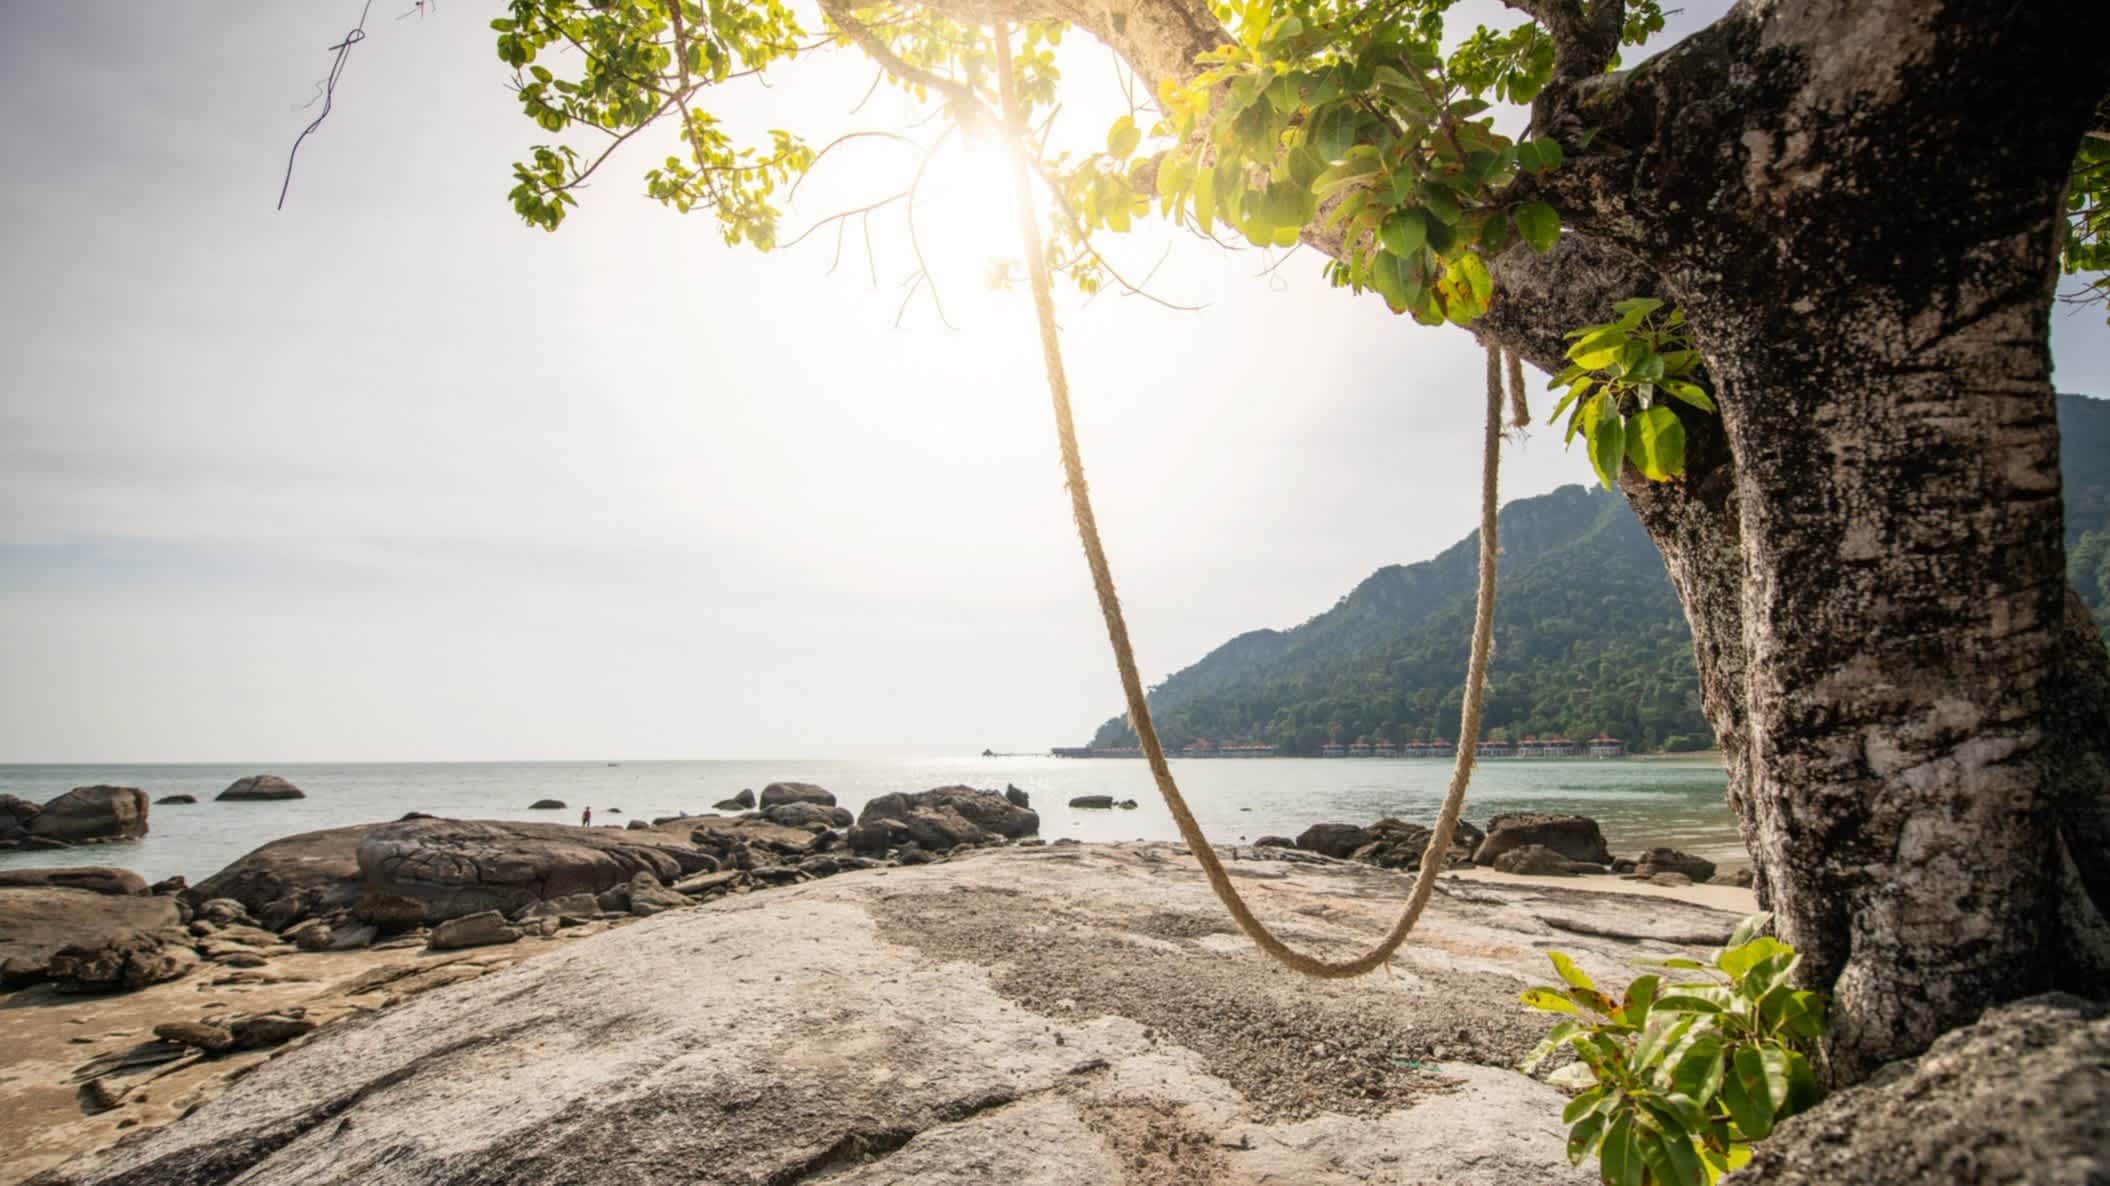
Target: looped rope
<point x="1117" y="627"/>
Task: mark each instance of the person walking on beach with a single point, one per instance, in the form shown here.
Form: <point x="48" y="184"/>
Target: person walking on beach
<point x="586" y="818"/>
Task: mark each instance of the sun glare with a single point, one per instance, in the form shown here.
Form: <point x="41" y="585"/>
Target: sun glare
<point x="966" y="220"/>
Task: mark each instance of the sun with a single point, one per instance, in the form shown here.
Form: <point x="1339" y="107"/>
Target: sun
<point x="966" y="216"/>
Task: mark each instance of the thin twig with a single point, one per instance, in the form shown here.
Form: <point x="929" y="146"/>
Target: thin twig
<point x="343" y="50"/>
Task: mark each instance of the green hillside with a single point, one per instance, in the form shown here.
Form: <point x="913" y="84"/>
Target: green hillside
<point x="1589" y="636"/>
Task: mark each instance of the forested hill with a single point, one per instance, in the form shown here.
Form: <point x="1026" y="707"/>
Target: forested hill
<point x="1589" y="636"/>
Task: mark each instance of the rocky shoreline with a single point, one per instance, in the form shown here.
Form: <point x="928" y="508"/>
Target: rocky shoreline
<point x="928" y="993"/>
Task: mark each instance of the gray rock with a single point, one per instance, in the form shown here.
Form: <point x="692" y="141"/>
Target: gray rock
<point x="808" y="815"/>
<point x="577" y="907"/>
<point x="546" y="805"/>
<point x="1572" y="836"/>
<point x="638" y="825"/>
<point x="458" y="867"/>
<point x="1669" y="878"/>
<point x="38" y="923"/>
<point x="1093" y="802"/>
<point x="15" y="817"/>
<point x="312" y="935"/>
<point x="260" y="788"/>
<point x="318" y="870"/>
<point x="946" y="817"/>
<point x="2023" y="1096"/>
<point x="704" y="884"/>
<point x="97" y="879"/>
<point x="92" y="815"/>
<point x="744" y="801"/>
<point x="267" y="1029"/>
<point x="1333" y="840"/>
<point x="390" y="914"/>
<point x="350" y="936"/>
<point x="222" y="912"/>
<point x="1017" y="798"/>
<point x="702" y="1024"/>
<point x="1743" y="876"/>
<point x="649" y="897"/>
<point x="1670" y="860"/>
<point x="1536" y="860"/>
<point x="120" y="962"/>
<point x="175" y="800"/>
<point x="1274" y="842"/>
<point x="795" y="792"/>
<point x="204" y="1035"/>
<point x="484" y="929"/>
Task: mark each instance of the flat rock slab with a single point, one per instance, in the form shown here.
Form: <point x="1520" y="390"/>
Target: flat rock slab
<point x="1044" y="1016"/>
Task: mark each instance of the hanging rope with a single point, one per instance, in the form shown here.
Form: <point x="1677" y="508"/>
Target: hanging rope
<point x="1519" y="411"/>
<point x="1117" y="628"/>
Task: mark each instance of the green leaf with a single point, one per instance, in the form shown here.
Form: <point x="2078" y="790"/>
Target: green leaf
<point x="1606" y="433"/>
<point x="1334" y="133"/>
<point x="1619" y="1157"/>
<point x="1122" y="139"/>
<point x="1569" y="972"/>
<point x="1749" y="929"/>
<point x="1740" y="958"/>
<point x="1640" y="996"/>
<point x="1689" y="393"/>
<point x="1656" y="444"/>
<point x="1583" y="1137"/>
<point x="1699" y="1073"/>
<point x="1545" y="999"/>
<point x="1582" y="1105"/>
<point x="1685" y="1003"/>
<point x="1440" y="202"/>
<point x="1539" y="225"/>
<point x="1404" y="232"/>
<point x="1746" y="1094"/>
<point x="1668" y="1153"/>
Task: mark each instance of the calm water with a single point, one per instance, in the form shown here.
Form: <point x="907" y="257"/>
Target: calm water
<point x="1639" y="803"/>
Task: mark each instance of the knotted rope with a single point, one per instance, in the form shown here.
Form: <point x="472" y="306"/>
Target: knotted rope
<point x="1117" y="627"/>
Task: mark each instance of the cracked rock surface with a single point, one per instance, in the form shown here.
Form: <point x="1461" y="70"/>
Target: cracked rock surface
<point x="1044" y="1015"/>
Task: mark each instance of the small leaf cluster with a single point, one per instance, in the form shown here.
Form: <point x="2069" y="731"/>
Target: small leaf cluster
<point x="1353" y="121"/>
<point x="2085" y="247"/>
<point x="1678" y="1079"/>
<point x="632" y="62"/>
<point x="1617" y="378"/>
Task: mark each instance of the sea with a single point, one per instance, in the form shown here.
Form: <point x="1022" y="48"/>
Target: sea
<point x="1639" y="802"/>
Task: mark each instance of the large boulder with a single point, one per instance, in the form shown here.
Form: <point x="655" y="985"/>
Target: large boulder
<point x="260" y="787"/>
<point x="1669" y="860"/>
<point x="459" y="867"/>
<point x="313" y="871"/>
<point x="1536" y="860"/>
<point x="96" y="879"/>
<point x="1334" y="840"/>
<point x="2023" y="1096"/>
<point x="37" y="923"/>
<point x="175" y="800"/>
<point x="796" y="792"/>
<point x="485" y="928"/>
<point x="1575" y="837"/>
<point x="947" y="817"/>
<point x="92" y="815"/>
<point x="744" y="801"/>
<point x="115" y="963"/>
<point x="15" y="817"/>
<point x="808" y="815"/>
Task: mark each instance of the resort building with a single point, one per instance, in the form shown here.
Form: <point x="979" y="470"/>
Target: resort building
<point x="1360" y="749"/>
<point x="1333" y="749"/>
<point x="1603" y="746"/>
<point x="1495" y="749"/>
<point x="1383" y="749"/>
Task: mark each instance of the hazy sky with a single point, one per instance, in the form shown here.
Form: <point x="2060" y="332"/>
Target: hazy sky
<point x="388" y="476"/>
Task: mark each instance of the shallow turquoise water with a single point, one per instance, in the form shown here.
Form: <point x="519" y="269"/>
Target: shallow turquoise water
<point x="1678" y="802"/>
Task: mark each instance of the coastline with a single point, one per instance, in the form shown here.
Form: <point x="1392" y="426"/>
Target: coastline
<point x="1325" y="1078"/>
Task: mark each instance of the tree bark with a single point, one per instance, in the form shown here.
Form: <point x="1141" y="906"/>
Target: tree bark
<point x="1856" y="205"/>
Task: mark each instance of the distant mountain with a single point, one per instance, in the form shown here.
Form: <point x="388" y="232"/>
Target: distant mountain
<point x="1589" y="635"/>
